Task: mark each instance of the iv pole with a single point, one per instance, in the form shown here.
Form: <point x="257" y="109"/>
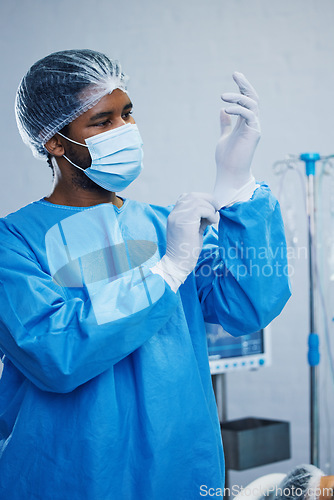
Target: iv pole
<point x="310" y="160"/>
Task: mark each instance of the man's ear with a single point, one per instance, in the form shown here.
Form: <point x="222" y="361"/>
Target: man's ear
<point x="54" y="146"/>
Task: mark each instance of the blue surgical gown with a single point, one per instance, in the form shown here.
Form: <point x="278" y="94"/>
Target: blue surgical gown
<point x="106" y="390"/>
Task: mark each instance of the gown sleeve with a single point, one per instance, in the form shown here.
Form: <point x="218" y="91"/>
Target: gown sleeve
<point x="242" y="272"/>
<point x="56" y="340"/>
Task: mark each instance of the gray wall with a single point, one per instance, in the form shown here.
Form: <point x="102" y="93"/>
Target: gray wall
<point x="180" y="55"/>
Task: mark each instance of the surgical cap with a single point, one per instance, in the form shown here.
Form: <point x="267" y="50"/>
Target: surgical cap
<point x="302" y="482"/>
<point x="59" y="88"/>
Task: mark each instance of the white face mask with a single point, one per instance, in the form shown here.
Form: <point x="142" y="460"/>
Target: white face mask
<point x="117" y="157"/>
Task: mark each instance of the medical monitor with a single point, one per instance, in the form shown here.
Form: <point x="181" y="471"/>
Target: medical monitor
<point x="228" y="353"/>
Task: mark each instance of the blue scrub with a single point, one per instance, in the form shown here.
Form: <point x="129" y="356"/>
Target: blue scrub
<point x="106" y="390"/>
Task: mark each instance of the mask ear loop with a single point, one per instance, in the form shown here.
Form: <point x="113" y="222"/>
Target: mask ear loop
<point x="71" y="140"/>
<point x="74" y="165"/>
<point x="75" y="142"/>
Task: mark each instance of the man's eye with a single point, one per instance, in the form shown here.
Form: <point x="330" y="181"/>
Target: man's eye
<point x="127" y="115"/>
<point x="101" y="124"/>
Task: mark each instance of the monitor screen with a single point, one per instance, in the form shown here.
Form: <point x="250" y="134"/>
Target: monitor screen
<point x="228" y="353"/>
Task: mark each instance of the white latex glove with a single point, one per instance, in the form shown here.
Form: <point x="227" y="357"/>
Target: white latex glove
<point x="186" y="223"/>
<point x="236" y="148"/>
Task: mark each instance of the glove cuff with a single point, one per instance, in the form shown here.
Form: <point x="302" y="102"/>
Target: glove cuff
<point x="173" y="276"/>
<point x="243" y="194"/>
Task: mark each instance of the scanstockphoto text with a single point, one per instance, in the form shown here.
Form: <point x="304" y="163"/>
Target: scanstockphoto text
<point x="274" y="491"/>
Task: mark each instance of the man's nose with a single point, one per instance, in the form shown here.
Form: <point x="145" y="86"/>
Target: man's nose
<point x="119" y="122"/>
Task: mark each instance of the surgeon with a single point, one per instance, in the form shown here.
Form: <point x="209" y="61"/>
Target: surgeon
<point x="106" y="391"/>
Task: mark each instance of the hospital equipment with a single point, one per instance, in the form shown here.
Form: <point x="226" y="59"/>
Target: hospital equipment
<point x="252" y="442"/>
<point x="228" y="354"/>
<point x="312" y="162"/>
<point x="250" y="352"/>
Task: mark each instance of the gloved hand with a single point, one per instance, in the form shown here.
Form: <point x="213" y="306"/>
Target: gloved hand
<point x="235" y="149"/>
<point x="186" y="223"/>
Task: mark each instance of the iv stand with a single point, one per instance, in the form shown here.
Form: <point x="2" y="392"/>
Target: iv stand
<point x="310" y="160"/>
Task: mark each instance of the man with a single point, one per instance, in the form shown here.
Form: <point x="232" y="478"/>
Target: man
<point x="106" y="389"/>
<point x="305" y="482"/>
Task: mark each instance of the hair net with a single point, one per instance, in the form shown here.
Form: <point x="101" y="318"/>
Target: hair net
<point x="59" y="88"/>
<point x="302" y="482"/>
